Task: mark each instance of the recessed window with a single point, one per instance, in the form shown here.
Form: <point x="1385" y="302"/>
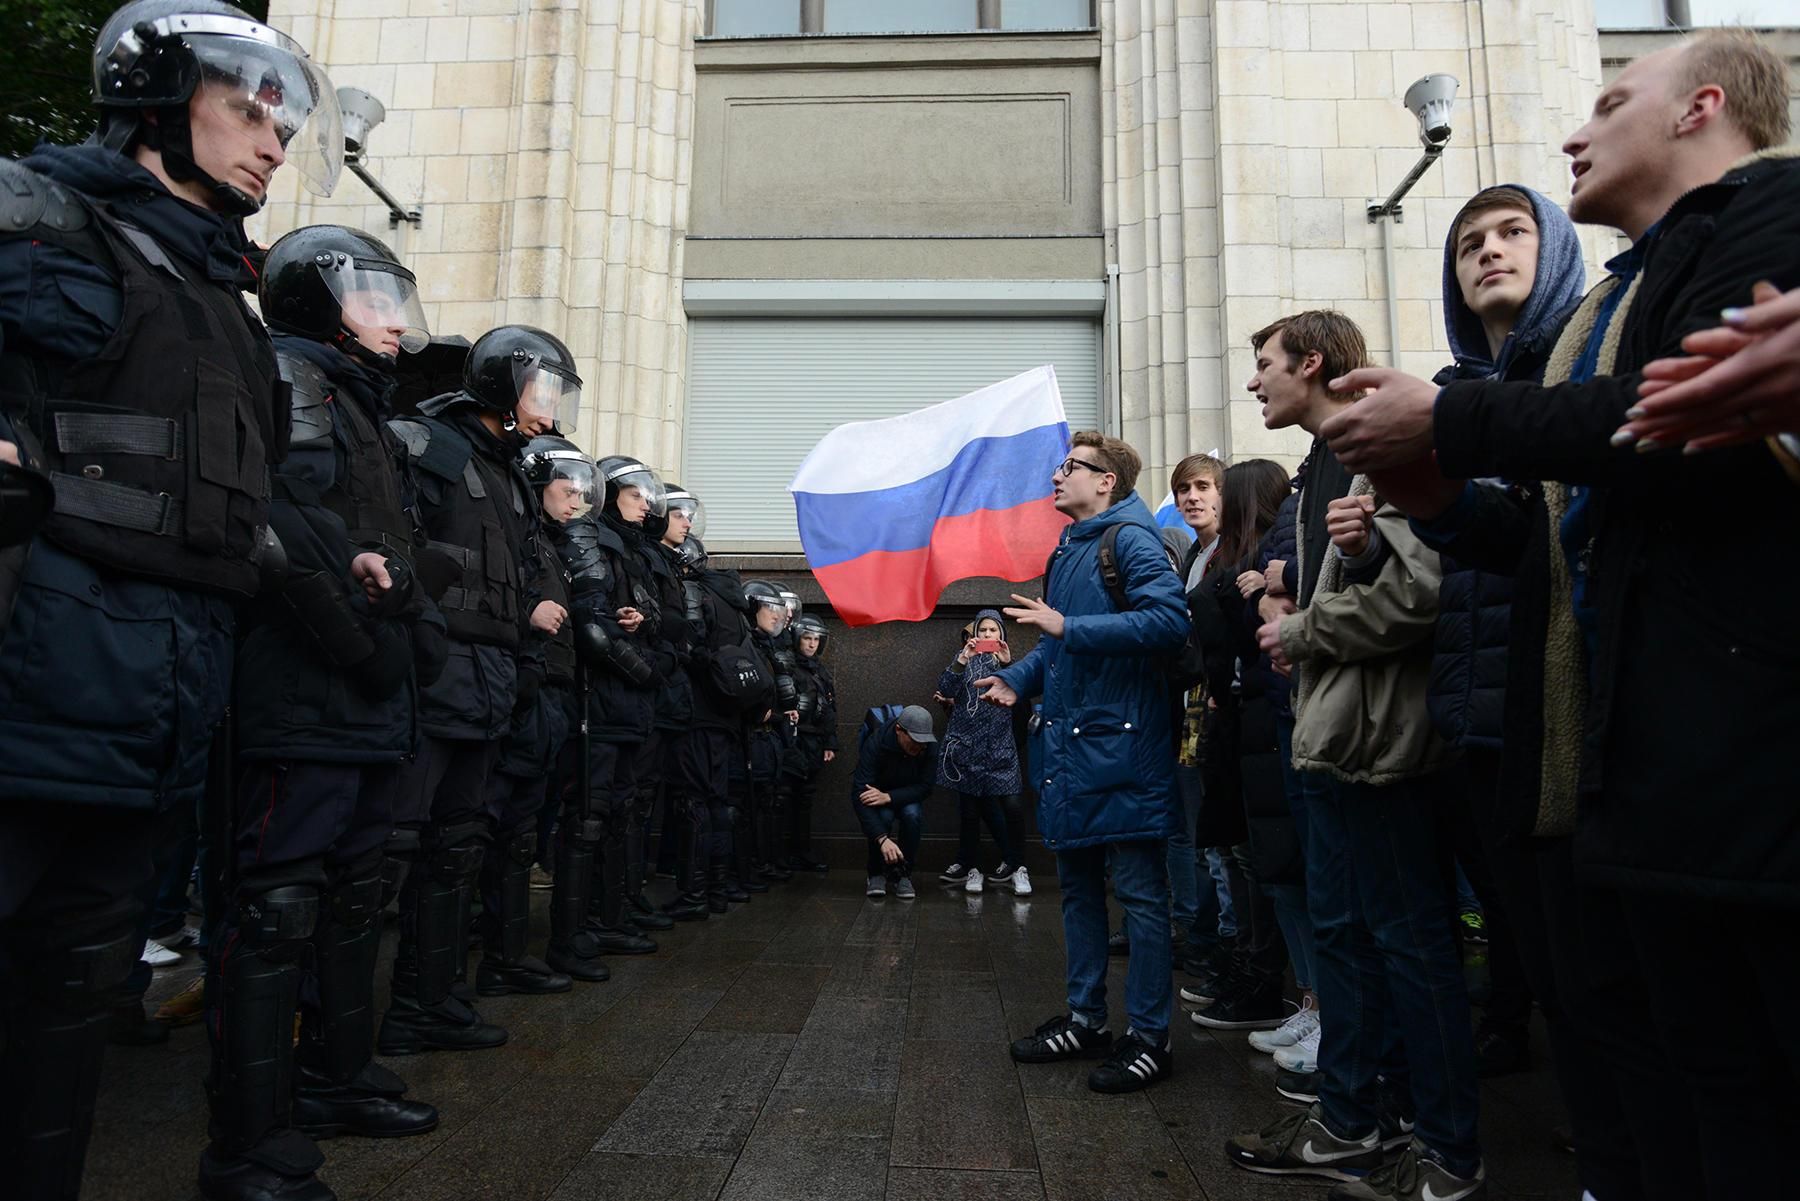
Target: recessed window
<point x="851" y="18"/>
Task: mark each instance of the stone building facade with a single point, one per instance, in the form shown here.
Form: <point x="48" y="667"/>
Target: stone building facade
<point x="575" y="163"/>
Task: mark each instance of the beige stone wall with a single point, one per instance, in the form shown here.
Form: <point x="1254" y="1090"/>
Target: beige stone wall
<point x="1243" y="142"/>
<point x="548" y="143"/>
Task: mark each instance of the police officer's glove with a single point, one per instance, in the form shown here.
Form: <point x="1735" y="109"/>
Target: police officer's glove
<point x="612" y="655"/>
<point x="384" y="672"/>
<point x="430" y="651"/>
<point x="398" y="595"/>
<point x="531" y="679"/>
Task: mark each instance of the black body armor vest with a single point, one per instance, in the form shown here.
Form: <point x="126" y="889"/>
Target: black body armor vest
<point x="160" y="446"/>
<point x="367" y="495"/>
<point x="559" y="650"/>
<point x="480" y="525"/>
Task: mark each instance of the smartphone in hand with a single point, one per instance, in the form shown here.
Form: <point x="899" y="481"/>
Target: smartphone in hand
<point x="988" y="646"/>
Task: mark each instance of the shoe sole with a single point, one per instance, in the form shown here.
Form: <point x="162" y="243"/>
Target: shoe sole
<point x="420" y="1048"/>
<point x="1190" y="997"/>
<point x="1062" y="1056"/>
<point x="507" y="990"/>
<point x="1213" y="1023"/>
<point x="1133" y="1085"/>
<point x="1322" y="1171"/>
<point x="334" y="1129"/>
<point x="1302" y="1098"/>
<point x="903" y="896"/>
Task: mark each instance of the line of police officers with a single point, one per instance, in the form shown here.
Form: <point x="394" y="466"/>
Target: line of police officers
<point x="425" y="627"/>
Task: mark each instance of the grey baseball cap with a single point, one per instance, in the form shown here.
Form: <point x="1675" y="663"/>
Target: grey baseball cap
<point x="917" y="723"/>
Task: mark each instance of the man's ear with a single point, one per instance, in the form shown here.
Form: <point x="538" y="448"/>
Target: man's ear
<point x="1311" y="365"/>
<point x="1703" y="107"/>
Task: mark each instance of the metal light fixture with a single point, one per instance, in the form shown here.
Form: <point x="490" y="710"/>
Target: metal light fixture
<point x="361" y="113"/>
<point x="1430" y="100"/>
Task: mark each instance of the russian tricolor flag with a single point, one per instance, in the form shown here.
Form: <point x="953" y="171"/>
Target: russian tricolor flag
<point x="891" y="511"/>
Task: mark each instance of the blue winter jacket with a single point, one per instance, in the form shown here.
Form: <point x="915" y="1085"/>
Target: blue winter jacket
<point x="1104" y="756"/>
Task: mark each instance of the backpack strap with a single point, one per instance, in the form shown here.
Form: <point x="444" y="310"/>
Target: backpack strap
<point x="1110" y="575"/>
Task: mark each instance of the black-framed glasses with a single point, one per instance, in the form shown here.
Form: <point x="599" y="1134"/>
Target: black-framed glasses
<point x="1067" y="467"/>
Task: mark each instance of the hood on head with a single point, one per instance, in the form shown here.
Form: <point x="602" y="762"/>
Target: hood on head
<point x="1561" y="280"/>
<point x="993" y="613"/>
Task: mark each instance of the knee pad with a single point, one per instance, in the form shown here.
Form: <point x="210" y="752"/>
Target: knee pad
<point x="279" y="918"/>
<point x="522" y="849"/>
<point x="403" y="843"/>
<point x="82" y="965"/>
<point x="355" y="897"/>
<point x="455" y="865"/>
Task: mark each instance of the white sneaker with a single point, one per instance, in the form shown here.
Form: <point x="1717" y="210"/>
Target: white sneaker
<point x="1021" y="882"/>
<point x="877" y="886"/>
<point x="1301" y="1023"/>
<point x="1303" y="1056"/>
<point x="157" y="955"/>
<point x="975" y="882"/>
<point x="187" y="936"/>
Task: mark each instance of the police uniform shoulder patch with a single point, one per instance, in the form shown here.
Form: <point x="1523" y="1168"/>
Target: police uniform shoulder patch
<point x="29" y="200"/>
<point x="310" y="406"/>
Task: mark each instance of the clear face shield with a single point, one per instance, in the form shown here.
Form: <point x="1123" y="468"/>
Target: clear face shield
<point x="380" y="304"/>
<point x="547" y="397"/>
<point x="263" y="86"/>
<point x="792" y="606"/>
<point x="641" y="493"/>
<point x="686" y="506"/>
<point x="570" y="492"/>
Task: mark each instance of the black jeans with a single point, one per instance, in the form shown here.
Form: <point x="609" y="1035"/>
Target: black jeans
<point x="902" y="821"/>
<point x="1004" y="821"/>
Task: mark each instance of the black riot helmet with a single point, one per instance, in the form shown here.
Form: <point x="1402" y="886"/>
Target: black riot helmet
<point x="622" y="472"/>
<point x="157" y="55"/>
<point x="763" y="595"/>
<point x="518" y="365"/>
<point x="809" y="624"/>
<point x="681" y="501"/>
<point x="553" y="462"/>
<point x="320" y="279"/>
<point x="791" y="600"/>
<point x="692" y="553"/>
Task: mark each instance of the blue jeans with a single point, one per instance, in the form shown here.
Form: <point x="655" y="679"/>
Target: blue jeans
<point x="1290" y="899"/>
<point x="1378" y="887"/>
<point x="1185" y="906"/>
<point x="1141" y="886"/>
<point x="902" y="821"/>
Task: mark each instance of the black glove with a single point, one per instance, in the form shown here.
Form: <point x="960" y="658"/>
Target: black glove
<point x="384" y="672"/>
<point x="431" y="650"/>
<point x="399" y="594"/>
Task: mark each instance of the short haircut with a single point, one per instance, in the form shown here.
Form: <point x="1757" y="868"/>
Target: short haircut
<point x="1195" y="466"/>
<point x="1116" y="456"/>
<point x="1488" y="200"/>
<point x="1753" y="77"/>
<point x="1337" y="339"/>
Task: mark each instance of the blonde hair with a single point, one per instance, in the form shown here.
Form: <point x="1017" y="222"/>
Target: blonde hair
<point x="1753" y="77"/>
<point x="1193" y="467"/>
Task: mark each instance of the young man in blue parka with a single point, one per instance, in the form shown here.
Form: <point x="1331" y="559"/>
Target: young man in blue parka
<point x="1104" y="756"/>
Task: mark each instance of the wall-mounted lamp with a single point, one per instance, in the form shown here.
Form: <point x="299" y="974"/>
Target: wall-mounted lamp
<point x="1430" y="100"/>
<point x="361" y="112"/>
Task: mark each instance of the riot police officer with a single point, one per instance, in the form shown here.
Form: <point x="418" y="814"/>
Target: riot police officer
<point x="587" y="902"/>
<point x="133" y="374"/>
<point x="671" y="642"/>
<point x="320" y="754"/>
<point x="479" y="511"/>
<point x="815" y="740"/>
<point x="563" y="478"/>
<point x="767" y="738"/>
<point x="731" y="683"/>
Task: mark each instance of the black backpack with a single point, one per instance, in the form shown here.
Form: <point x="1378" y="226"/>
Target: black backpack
<point x="1185" y="668"/>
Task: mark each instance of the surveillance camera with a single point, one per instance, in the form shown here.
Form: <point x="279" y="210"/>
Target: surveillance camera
<point x="1429" y="100"/>
<point x="360" y="112"/>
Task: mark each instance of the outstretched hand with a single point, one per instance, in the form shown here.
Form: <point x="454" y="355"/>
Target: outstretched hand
<point x="1738" y="383"/>
<point x="1389" y="426"/>
<point x="996" y="691"/>
<point x="1036" y="613"/>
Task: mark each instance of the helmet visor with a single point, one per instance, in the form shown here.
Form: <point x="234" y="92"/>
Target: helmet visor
<point x="266" y="90"/>
<point x="569" y="492"/>
<point x="688" y="506"/>
<point x="379" y="301"/>
<point x="638" y="487"/>
<point x="544" y="392"/>
<point x="794" y="607"/>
